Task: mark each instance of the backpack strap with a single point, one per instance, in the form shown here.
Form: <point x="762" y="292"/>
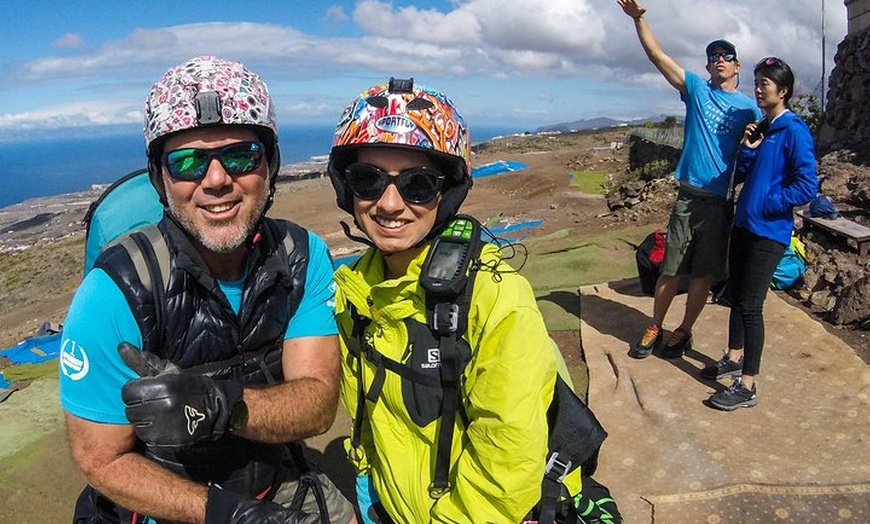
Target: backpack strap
<point x="360" y="324"/>
<point x="447" y="313"/>
<point x="149" y="253"/>
<point x="448" y="321"/>
<point x="574" y="441"/>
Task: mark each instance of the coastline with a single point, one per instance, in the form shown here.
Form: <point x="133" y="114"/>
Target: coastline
<point x="47" y="218"/>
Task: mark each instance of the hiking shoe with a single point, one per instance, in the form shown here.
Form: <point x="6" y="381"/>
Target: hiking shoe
<point x="736" y="396"/>
<point x="647" y="343"/>
<point x="725" y="367"/>
<point x="679" y="341"/>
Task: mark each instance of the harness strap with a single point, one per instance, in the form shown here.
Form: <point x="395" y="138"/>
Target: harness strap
<point x="378" y="381"/>
<point x="552" y="487"/>
<point x="150" y="255"/>
<point x="383" y="362"/>
<point x="360" y="324"/>
<point x="148" y="249"/>
<point x="450" y="374"/>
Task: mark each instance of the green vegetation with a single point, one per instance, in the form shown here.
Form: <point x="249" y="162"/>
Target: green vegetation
<point x="590" y="182"/>
<point x="46" y="369"/>
<point x="557" y="267"/>
<point x="26" y="275"/>
<point x="807" y="106"/>
<point x="669" y="122"/>
<point x="655" y="169"/>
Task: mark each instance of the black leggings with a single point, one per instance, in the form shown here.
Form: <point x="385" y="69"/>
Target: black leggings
<point x="752" y="260"/>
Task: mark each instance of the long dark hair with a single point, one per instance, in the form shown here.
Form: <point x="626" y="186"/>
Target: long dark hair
<point x="777" y="70"/>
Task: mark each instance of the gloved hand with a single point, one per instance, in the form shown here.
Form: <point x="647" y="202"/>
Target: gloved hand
<point x="227" y="507"/>
<point x="171" y="409"/>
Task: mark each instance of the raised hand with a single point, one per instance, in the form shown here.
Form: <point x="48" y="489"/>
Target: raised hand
<point x="632" y="8"/>
<point x="171" y="409"/>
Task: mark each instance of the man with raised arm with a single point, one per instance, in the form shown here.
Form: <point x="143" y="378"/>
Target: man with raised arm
<point x="716" y="115"/>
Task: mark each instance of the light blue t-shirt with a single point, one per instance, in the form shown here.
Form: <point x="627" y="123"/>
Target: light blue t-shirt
<point x="99" y="318"/>
<point x="715" y="121"/>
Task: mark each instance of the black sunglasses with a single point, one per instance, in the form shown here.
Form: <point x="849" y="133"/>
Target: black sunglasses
<point x="728" y="57"/>
<point x="417" y="185"/>
<point x="191" y="163"/>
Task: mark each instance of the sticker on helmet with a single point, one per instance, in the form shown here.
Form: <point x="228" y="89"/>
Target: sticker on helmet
<point x="395" y="124"/>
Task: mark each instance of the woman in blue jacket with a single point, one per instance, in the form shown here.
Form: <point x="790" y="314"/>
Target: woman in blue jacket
<point x="777" y="167"/>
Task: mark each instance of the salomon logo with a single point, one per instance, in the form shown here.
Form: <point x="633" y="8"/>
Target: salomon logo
<point x="194" y="417"/>
<point x="395" y="124"/>
<point x="433" y="357"/>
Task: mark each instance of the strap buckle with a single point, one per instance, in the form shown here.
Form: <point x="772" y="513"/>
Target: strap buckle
<point x="439" y="489"/>
<point x="556" y="467"/>
<point x="445" y="318"/>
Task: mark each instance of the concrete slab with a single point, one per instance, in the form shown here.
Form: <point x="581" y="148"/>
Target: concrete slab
<point x="807" y="439"/>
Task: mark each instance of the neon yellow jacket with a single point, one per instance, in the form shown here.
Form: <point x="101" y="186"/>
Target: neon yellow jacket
<point x="497" y="461"/>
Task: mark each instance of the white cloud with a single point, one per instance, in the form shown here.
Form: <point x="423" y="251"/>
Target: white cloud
<point x="69" y="40"/>
<point x="74" y="114"/>
<point x="336" y="13"/>
<point x="455" y="28"/>
<point x="526" y="43"/>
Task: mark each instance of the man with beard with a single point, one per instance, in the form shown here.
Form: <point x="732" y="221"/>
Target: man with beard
<point x="199" y="351"/>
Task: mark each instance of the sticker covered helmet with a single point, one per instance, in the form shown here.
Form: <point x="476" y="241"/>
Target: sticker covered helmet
<point x="401" y="114"/>
<point x="204" y="91"/>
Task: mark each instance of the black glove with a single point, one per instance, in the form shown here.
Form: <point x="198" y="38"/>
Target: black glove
<point x="227" y="507"/>
<point x="171" y="409"/>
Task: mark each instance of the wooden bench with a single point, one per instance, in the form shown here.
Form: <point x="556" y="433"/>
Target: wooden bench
<point x="853" y="232"/>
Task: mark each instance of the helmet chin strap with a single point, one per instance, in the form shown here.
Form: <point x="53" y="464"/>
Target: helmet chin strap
<point x="355" y="238"/>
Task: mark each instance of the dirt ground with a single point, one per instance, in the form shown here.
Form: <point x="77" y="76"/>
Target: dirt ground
<point x="38" y="480"/>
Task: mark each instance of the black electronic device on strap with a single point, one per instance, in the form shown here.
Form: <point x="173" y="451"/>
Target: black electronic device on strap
<point x="445" y="270"/>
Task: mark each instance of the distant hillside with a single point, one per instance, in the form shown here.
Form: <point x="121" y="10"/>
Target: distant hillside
<point x="602" y="122"/>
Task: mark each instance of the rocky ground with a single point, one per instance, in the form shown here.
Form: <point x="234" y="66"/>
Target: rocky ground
<point x="42" y="245"/>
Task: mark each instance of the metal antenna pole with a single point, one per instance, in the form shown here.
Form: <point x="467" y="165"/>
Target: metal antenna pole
<point x="823" y="57"/>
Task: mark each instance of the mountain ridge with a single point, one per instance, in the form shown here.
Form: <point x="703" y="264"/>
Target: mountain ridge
<point x="601" y="122"/>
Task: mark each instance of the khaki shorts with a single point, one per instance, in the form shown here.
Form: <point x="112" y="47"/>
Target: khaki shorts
<point x="339" y="508"/>
<point x="697" y="242"/>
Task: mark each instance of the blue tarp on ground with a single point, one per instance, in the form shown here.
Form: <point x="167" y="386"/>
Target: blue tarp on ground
<point x="502" y="229"/>
<point x="497" y="167"/>
<point x="3" y="382"/>
<point x="34" y="350"/>
<point x="345" y="260"/>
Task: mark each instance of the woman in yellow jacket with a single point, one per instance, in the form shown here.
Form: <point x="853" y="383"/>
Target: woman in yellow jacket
<point x="400" y="166"/>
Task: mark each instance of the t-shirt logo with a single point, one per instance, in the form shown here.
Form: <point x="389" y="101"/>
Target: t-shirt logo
<point x="73" y="360"/>
<point x="194" y="417"/>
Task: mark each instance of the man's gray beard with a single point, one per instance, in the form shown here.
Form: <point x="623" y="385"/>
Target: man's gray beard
<point x="224" y="247"/>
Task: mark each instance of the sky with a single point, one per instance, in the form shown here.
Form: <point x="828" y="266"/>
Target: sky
<point x="73" y="67"/>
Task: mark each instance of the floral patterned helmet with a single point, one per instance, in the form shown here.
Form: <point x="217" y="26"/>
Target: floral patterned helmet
<point x="208" y="90"/>
<point x="401" y="114"/>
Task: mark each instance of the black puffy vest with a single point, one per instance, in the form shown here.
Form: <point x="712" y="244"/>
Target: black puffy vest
<point x="185" y="317"/>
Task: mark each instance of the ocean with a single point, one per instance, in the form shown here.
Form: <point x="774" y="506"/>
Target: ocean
<point x="36" y="168"/>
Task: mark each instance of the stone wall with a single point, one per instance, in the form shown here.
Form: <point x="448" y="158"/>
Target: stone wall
<point x="651" y="159"/>
<point x="847" y="115"/>
<point x="858" y="12"/>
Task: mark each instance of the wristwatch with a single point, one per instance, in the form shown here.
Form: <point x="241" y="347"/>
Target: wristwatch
<point x="239" y="416"/>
